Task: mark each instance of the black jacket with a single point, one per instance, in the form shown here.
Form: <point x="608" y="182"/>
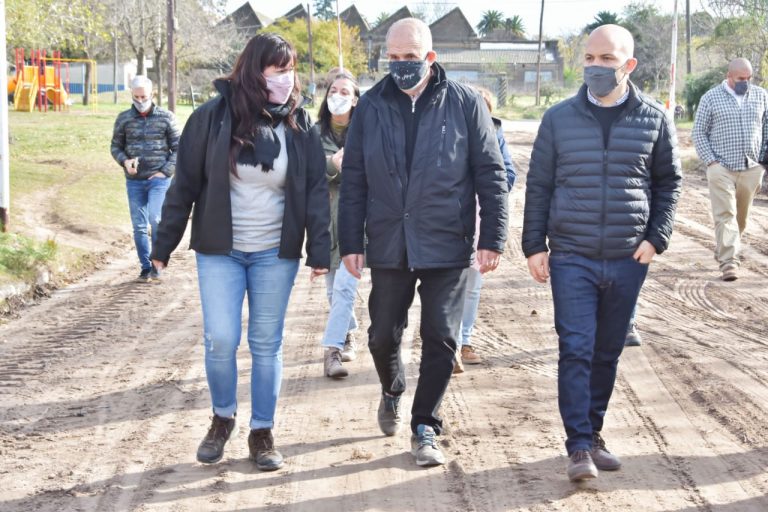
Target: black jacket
<point x="426" y="218"/>
<point x="153" y="138"/>
<point x="202" y="179"/>
<point x="601" y="202"/>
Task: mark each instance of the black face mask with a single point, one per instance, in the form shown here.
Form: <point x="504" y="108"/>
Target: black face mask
<point x="741" y="87"/>
<point x="601" y="80"/>
<point x="408" y="73"/>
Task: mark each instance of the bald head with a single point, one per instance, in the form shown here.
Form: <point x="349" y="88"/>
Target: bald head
<point x="739" y="65"/>
<point x="739" y="70"/>
<point x="409" y="35"/>
<point x="614" y="38"/>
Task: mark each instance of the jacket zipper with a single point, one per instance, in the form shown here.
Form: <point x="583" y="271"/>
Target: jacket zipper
<point x="442" y="146"/>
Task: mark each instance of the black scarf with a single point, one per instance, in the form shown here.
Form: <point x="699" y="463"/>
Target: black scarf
<point x="265" y="146"/>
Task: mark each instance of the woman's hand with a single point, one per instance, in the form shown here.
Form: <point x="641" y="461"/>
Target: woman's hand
<point x="317" y="272"/>
<point x="336" y="158"/>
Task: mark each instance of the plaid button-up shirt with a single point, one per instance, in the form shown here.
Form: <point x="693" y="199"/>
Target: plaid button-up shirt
<point x="735" y="136"/>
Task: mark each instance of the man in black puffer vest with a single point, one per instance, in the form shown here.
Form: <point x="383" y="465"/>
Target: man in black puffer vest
<point x="601" y="193"/>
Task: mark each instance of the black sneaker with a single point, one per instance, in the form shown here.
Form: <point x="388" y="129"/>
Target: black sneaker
<point x="581" y="466"/>
<point x="603" y="459"/>
<point x="211" y="449"/>
<point x="389" y="414"/>
<point x="261" y="446"/>
<point x="144" y="276"/>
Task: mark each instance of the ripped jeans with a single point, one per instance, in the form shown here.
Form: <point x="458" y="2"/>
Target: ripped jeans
<point x="224" y="281"/>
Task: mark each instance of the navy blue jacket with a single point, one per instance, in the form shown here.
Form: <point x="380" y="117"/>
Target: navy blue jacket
<point x="426" y="218"/>
<point x="596" y="201"/>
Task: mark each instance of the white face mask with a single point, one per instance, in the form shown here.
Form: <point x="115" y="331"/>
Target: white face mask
<point x="338" y="104"/>
<point x="142" y="106"/>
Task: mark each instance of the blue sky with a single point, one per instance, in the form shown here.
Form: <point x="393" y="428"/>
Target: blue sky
<point x="560" y="16"/>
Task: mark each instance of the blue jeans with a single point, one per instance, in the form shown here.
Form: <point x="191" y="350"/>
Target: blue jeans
<point x="145" y="202"/>
<point x="593" y="302"/>
<point x="224" y="281"/>
<point x="341" y="287"/>
<point x="471" y="304"/>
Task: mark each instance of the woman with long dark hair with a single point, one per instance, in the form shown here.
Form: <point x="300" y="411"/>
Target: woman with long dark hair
<point x="334" y="117"/>
<point x="253" y="169"/>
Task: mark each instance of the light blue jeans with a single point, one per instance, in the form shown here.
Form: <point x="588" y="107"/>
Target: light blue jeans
<point x="471" y="304"/>
<point x="224" y="282"/>
<point x="145" y="202"/>
<point x="341" y="287"/>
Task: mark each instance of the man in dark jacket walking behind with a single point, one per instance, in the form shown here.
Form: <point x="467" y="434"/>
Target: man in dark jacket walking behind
<point x="144" y="143"/>
<point x="602" y="189"/>
<point x="418" y="149"/>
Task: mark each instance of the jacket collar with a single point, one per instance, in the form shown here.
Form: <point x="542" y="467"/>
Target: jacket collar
<point x="633" y="100"/>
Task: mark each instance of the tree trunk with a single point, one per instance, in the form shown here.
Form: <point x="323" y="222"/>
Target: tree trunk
<point x="87" y="84"/>
<point x="114" y="68"/>
<point x="140" y="61"/>
<point x="159" y="78"/>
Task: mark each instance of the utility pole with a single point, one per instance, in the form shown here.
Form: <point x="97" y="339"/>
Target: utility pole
<point x="688" y="36"/>
<point x="171" y="55"/>
<point x="311" y="57"/>
<point x="538" y="57"/>
<point x="5" y="169"/>
<point x="673" y="63"/>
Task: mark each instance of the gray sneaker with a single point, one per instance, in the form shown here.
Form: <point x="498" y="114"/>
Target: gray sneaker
<point x="332" y="364"/>
<point x="349" y="352"/>
<point x="424" y="447"/>
<point x="603" y="459"/>
<point x="633" y="337"/>
<point x="389" y="414"/>
<point x="581" y="466"/>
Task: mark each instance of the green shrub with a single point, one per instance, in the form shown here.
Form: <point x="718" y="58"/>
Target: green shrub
<point x="21" y="256"/>
<point x="696" y="86"/>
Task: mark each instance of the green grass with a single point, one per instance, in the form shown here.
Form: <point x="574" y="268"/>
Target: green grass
<point x="524" y="107"/>
<point x="20" y="256"/>
<point x="60" y="163"/>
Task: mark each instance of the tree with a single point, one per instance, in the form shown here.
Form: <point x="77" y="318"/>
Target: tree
<point x="324" y="44"/>
<point x="515" y="27"/>
<point x="381" y="18"/>
<point x="325" y="9"/>
<point x="652" y="32"/>
<point x="741" y="30"/>
<point x="603" y="18"/>
<point x="490" y="21"/>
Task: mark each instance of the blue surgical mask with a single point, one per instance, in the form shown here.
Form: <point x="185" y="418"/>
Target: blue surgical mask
<point x="407" y="74"/>
<point x="741" y="87"/>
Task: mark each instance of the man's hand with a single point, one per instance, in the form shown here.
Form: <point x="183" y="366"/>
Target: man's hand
<point x="645" y="252"/>
<point x="159" y="265"/>
<point x="336" y="158"/>
<point x="538" y="266"/>
<point x="131" y="166"/>
<point x="158" y="174"/>
<point x="316" y="271"/>
<point x="488" y="260"/>
<point x="354" y="264"/>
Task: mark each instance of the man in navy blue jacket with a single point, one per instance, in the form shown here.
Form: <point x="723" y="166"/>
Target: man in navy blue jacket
<point x="600" y="198"/>
<point x="419" y="149"/>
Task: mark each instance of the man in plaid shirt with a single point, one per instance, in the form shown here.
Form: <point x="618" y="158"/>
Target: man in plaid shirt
<point x="730" y="132"/>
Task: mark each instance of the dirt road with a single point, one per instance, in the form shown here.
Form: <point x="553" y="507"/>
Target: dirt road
<point x="103" y="398"/>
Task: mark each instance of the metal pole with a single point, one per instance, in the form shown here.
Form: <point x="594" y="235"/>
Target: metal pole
<point x="171" y="57"/>
<point x="5" y="170"/>
<point x="114" y="67"/>
<point x="688" y="36"/>
<point x="673" y="63"/>
<point x="538" y="57"/>
<point x="311" y="58"/>
<point x="338" y="23"/>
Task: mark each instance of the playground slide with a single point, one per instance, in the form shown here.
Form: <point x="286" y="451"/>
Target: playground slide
<point x="26" y="90"/>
